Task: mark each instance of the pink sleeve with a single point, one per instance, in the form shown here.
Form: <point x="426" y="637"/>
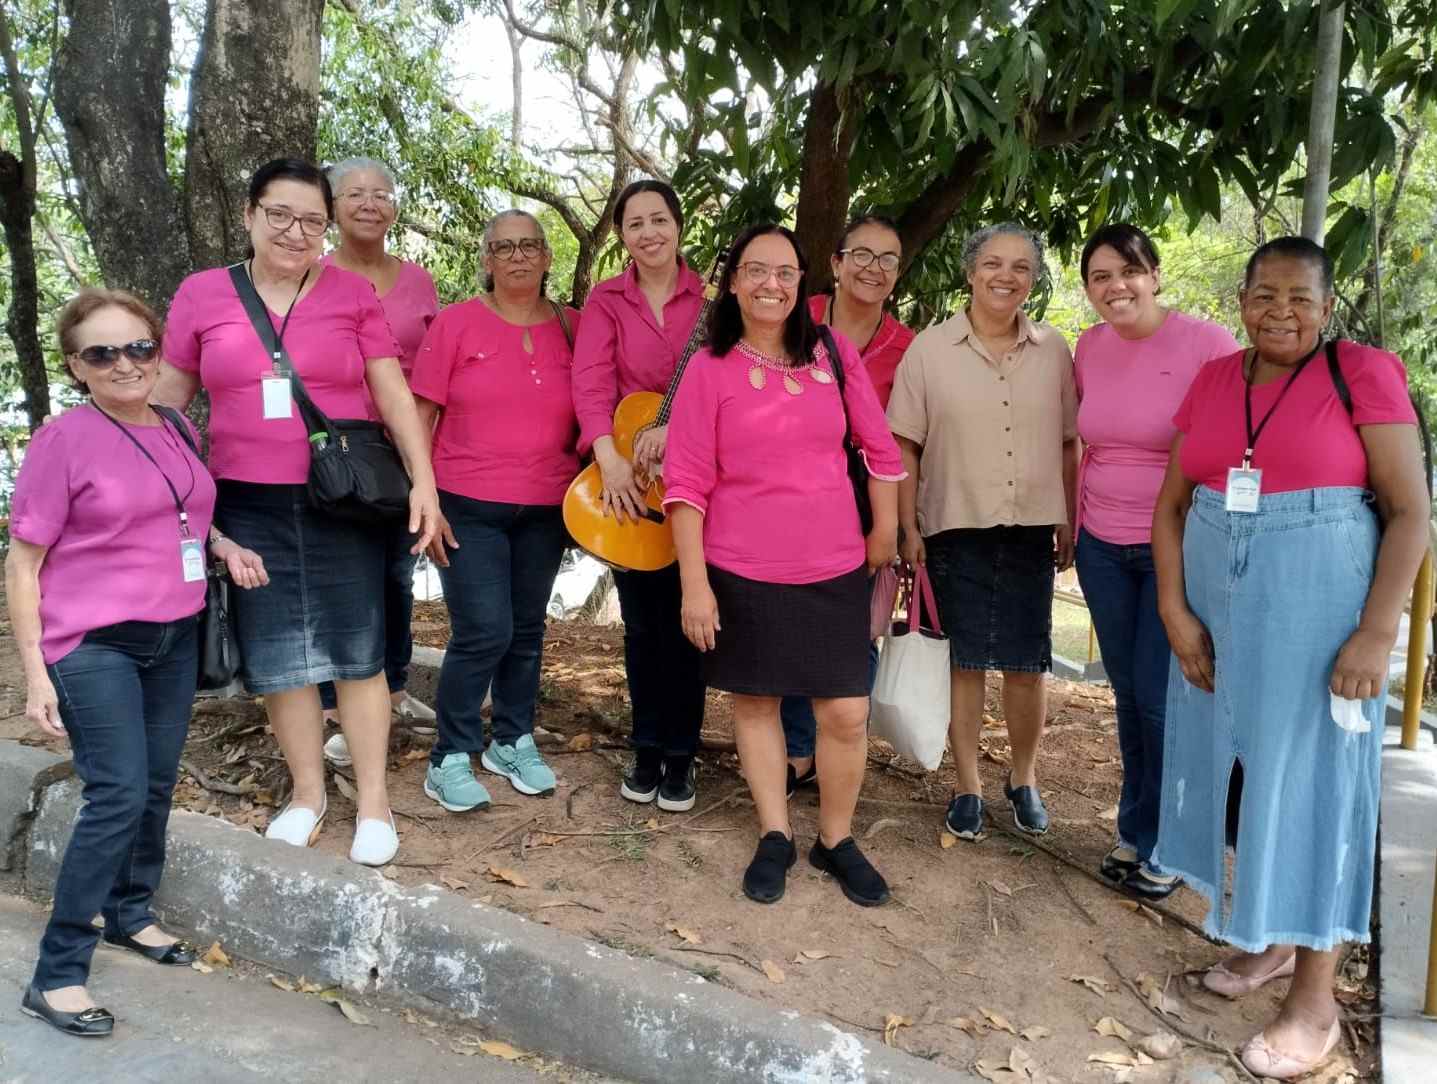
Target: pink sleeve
<point x="375" y="338"/>
<point x="596" y="374"/>
<point x="865" y="417"/>
<point x="691" y="457"/>
<point x="181" y="347"/>
<point x="434" y="361"/>
<point x="41" y="503"/>
<point x="1377" y="380"/>
<point x="1183" y="419"/>
<point x="1220" y="343"/>
<point x="1080" y="351"/>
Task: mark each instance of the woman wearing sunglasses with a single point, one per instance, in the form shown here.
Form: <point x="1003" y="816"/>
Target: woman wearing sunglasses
<point x="322" y="616"/>
<point x="110" y="660"/>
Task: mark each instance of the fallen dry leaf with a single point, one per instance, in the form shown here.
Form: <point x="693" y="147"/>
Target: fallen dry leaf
<point x="507" y="876"/>
<point x="1114" y="1029"/>
<point x="496" y="1049"/>
<point x="815" y="954"/>
<point x="215" y="956"/>
<point x="772" y="970"/>
<point x="1161" y="1045"/>
<point x="879" y="825"/>
<point x="453" y="882"/>
<point x="652" y="822"/>
<point x="1034" y="1033"/>
<point x="1097" y="985"/>
<point x="542" y="839"/>
<point x="891" y="1023"/>
<point x="580" y="743"/>
<point x="688" y="937"/>
<point x="997" y="1021"/>
<point x="1151" y="915"/>
<point x="353" y="1015"/>
<point x="1113" y="1057"/>
<point x="1110" y="814"/>
<point x="995" y="1069"/>
<point x="1021" y="1062"/>
<point x="202" y="967"/>
<point x="946" y="839"/>
<point x="1131" y="905"/>
<point x="1000" y="888"/>
<point x="307" y="987"/>
<point x="344" y="787"/>
<point x="413" y="755"/>
<point x="1153" y="992"/>
<point x="966" y="1023"/>
<point x="282" y="984"/>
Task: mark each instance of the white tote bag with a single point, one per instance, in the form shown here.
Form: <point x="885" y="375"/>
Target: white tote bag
<point x="910" y="694"/>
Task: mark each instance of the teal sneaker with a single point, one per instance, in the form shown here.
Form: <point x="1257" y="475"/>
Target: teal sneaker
<point x="452" y="784"/>
<point x="521" y="764"/>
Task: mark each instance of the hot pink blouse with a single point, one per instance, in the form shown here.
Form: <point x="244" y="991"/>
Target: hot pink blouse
<point x="108" y="518"/>
<point x="767" y="468"/>
<point x="508" y="430"/>
<point x="410" y="307"/>
<point x="1311" y="441"/>
<point x="622" y="349"/>
<point x="883" y="354"/>
<point x="333" y="331"/>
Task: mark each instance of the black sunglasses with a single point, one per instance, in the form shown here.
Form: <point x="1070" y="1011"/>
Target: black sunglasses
<point x="102" y="357"/>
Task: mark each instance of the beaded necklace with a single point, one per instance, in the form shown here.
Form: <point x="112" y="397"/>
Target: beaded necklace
<point x="760" y="363"/>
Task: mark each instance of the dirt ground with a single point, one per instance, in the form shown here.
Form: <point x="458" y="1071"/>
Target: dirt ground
<point x="1006" y="956"/>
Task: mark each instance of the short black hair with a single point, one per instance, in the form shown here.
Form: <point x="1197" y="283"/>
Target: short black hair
<point x="291" y="169"/>
<point x="800" y="333"/>
<point x="648" y="184"/>
<point x="858" y="221"/>
<point x="1129" y="242"/>
<point x="1294" y="248"/>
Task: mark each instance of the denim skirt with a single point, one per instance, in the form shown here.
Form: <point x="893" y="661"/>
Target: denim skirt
<point x="994" y="589"/>
<point x="1280" y="591"/>
<point x="321" y="616"/>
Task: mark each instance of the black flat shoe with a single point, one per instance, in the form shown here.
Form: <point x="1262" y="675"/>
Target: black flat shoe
<point x="1029" y="813"/>
<point x="860" y="882"/>
<point x="88" y="1024"/>
<point x="1143" y="883"/>
<point x="1116" y="868"/>
<point x="179" y="954"/>
<point x="767" y="875"/>
<point x="798" y="782"/>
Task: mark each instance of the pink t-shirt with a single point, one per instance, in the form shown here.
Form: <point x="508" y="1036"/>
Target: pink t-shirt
<point x="767" y="468"/>
<point x="508" y="430"/>
<point x="1310" y="442"/>
<point x="622" y="349"/>
<point x="410" y="307"/>
<point x="884" y="352"/>
<point x="1127" y="393"/>
<point x="108" y="518"/>
<point x="334" y="330"/>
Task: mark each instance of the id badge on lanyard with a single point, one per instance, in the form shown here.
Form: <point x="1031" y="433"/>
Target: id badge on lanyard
<point x="277" y="396"/>
<point x="1244" y="488"/>
<point x="192" y="559"/>
<point x="1244" y="483"/>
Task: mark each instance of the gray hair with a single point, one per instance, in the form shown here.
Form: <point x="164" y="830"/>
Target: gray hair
<point x="345" y="167"/>
<point x="978" y="238"/>
<point x="512" y="212"/>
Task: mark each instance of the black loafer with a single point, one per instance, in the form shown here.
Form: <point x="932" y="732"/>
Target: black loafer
<point x="860" y="882"/>
<point x="179" y="954"/>
<point x="1142" y="882"/>
<point x="88" y="1024"/>
<point x="1116" y="868"/>
<point x="767" y="875"/>
<point x="1029" y="812"/>
<point x="798" y="782"/>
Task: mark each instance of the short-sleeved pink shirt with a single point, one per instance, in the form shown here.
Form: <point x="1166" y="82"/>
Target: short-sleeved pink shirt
<point x="333" y="331"/>
<point x="1127" y="392"/>
<point x="1311" y="441"/>
<point x="86" y="492"/>
<point x="882" y="355"/>
<point x="508" y="429"/>
<point x="410" y="306"/>
<point x="767" y="468"/>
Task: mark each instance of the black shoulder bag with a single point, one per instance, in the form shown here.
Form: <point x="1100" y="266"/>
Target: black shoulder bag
<point x="1344" y="393"/>
<point x="355" y="473"/>
<point x="857" y="468"/>
<point x="219" y="648"/>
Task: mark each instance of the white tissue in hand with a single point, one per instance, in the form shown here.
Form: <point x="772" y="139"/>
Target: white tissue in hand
<point x="1348" y="715"/>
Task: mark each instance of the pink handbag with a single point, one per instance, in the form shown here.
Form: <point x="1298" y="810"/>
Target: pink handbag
<point x="884" y="598"/>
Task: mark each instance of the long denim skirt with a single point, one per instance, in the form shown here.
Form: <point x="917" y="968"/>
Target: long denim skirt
<point x="1280" y="591"/>
<point x="321" y="616"/>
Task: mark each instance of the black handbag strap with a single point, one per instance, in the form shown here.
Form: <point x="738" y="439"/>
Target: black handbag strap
<point x="837" y="363"/>
<point x="171" y="415"/>
<point x="563" y="323"/>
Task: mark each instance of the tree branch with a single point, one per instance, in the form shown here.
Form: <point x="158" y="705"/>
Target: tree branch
<point x="20" y="100"/>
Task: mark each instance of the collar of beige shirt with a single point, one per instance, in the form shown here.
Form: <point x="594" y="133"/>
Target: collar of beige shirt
<point x="959" y="328"/>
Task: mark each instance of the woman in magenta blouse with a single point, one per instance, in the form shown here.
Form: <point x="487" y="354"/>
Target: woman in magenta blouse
<point x="1132" y="372"/>
<point x="321" y="617"/>
<point x="495" y="371"/>
<point x="774" y="562"/>
<point x="636" y="326"/>
<point x="366" y="206"/>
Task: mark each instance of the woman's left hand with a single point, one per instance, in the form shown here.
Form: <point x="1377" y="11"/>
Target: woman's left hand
<point x="649" y="449"/>
<point x="246" y="568"/>
<point x="424" y="518"/>
<point x="1063" y="546"/>
<point x="882" y="546"/>
<point x="1361" y="669"/>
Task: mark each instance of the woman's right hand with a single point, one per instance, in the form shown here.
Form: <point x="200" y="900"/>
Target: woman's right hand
<point x="42" y="706"/>
<point x="1192" y="646"/>
<point x="623" y="497"/>
<point x="699" y="616"/>
<point x="911" y="548"/>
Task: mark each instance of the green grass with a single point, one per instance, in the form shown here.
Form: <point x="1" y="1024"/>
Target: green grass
<point x="1070" y="632"/>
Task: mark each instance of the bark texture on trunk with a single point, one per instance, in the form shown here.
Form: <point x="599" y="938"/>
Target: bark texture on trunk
<point x="17" y="208"/>
<point x="828" y="136"/>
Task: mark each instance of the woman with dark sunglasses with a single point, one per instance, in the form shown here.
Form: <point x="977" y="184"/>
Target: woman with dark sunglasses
<point x="110" y="661"/>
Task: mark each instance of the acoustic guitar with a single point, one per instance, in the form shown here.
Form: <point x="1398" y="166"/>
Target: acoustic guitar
<point x="646" y="544"/>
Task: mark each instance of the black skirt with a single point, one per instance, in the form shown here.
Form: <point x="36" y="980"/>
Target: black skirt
<point x="790" y="639"/>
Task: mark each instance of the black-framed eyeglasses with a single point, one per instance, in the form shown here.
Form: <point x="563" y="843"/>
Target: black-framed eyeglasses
<point x="865" y="257"/>
<point x="103" y="357"/>
<point x="280" y="220"/>
<point x="530" y="247"/>
<point x="758" y="273"/>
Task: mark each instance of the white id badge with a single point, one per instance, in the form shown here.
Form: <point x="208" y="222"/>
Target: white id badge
<point x="192" y="559"/>
<point x="1244" y="487"/>
<point x="278" y="402"/>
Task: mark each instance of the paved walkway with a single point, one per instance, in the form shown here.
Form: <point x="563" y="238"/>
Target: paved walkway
<point x="176" y="1025"/>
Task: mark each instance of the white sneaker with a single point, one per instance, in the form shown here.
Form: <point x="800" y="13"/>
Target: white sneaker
<point x="336" y="751"/>
<point x="297" y="825"/>
<point x="418" y="715"/>
<point x="375" y="842"/>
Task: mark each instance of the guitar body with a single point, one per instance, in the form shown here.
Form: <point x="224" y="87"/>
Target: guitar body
<point x="643" y="546"/>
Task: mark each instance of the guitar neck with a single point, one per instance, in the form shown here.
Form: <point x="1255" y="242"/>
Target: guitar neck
<point x="696" y="339"/>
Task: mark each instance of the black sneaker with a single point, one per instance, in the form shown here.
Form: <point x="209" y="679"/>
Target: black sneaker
<point x="676" y="792"/>
<point x="797" y="782"/>
<point x="767" y="874"/>
<point x="642" y="782"/>
<point x="1151" y="886"/>
<point x="1028" y="810"/>
<point x="965" y="817"/>
<point x="860" y="882"/>
<point x="1118" y="863"/>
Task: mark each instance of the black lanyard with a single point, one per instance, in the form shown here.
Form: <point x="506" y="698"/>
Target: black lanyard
<point x="1253" y="434"/>
<point x="174" y="493"/>
<point x="278" y="351"/>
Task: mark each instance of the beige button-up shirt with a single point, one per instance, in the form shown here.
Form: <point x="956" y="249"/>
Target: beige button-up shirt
<point x="992" y="429"/>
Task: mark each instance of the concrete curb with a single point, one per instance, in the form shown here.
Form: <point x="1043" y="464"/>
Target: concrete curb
<point x="541" y="989"/>
<point x="24" y="773"/>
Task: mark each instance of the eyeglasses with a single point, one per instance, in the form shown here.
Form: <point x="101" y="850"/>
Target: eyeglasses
<point x="103" y="357"/>
<point x="280" y="220"/>
<point x="379" y="195"/>
<point x="865" y="257"/>
<point x="758" y="273"/>
<point x="530" y="247"/>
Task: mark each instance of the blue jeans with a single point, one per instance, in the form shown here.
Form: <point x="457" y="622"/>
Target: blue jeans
<point x="125" y="694"/>
<point x="398" y="614"/>
<point x="497" y="588"/>
<point x="665" y="671"/>
<point x="1121" y="590"/>
<point x="800" y="727"/>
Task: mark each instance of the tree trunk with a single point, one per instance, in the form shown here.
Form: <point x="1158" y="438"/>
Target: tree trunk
<point x="110" y="83"/>
<point x="823" y="187"/>
<point x="17" y="206"/>
<point x="1322" y="121"/>
<point x="254" y="96"/>
<point x="516" y="116"/>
